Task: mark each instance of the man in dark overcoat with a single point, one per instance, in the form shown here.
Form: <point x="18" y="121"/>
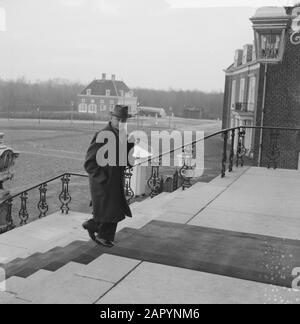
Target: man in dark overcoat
<point x="107" y="180"/>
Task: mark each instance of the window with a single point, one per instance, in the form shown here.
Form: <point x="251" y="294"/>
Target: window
<point x="270" y="45"/>
<point x="111" y="108"/>
<point x="242" y="90"/>
<point x="107" y="93"/>
<point x="122" y="93"/>
<point x="88" y="92"/>
<point x="251" y="95"/>
<point x="233" y="92"/>
<point x="102" y="101"/>
<point x="83" y="108"/>
<point x="92" y="108"/>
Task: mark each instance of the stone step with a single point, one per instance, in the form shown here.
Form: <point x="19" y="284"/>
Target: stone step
<point x="9" y="298"/>
<point x="15" y="285"/>
<point x="153" y="205"/>
<point x="37" y="261"/>
<point x="65" y="287"/>
<point x="39" y="275"/>
<point x="24" y="286"/>
<point x="108" y="267"/>
<point x="79" y="251"/>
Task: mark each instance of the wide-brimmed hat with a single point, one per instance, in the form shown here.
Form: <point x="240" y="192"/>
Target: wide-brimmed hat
<point x="121" y="112"/>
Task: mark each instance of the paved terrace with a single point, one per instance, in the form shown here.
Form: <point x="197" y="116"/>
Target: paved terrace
<point x="233" y="240"/>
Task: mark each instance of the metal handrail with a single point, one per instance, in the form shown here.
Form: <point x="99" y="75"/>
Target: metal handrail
<point x="41" y="184"/>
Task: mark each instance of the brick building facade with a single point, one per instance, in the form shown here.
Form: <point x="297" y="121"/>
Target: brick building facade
<point x="100" y="97"/>
<point x="246" y="92"/>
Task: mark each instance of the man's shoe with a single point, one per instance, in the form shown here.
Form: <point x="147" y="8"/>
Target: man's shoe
<point x="104" y="242"/>
<point x="86" y="226"/>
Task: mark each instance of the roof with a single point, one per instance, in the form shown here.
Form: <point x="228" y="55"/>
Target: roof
<point x="232" y="68"/>
<point x="272" y="12"/>
<point x="99" y="87"/>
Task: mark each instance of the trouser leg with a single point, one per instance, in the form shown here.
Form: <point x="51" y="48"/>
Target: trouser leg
<point x="107" y="231"/>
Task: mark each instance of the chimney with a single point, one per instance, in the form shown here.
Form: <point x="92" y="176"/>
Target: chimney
<point x="113" y="77"/>
<point x="103" y="76"/>
<point x="238" y="57"/>
<point x="247" y="53"/>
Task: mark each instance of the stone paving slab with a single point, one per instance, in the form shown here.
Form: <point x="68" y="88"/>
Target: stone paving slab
<point x="15" y="285"/>
<point x="65" y="287"/>
<point x="180" y="218"/>
<point x="230" y="177"/>
<point x="39" y="275"/>
<point x="153" y="283"/>
<point x="72" y="290"/>
<point x="9" y="298"/>
<point x="281" y="173"/>
<point x="192" y="205"/>
<point x="262" y="194"/>
<point x="108" y="268"/>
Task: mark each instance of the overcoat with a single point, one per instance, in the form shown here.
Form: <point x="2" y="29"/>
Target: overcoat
<point x="107" y="183"/>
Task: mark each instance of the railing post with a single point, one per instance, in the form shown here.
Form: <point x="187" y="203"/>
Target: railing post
<point x="154" y="182"/>
<point x="23" y="213"/>
<point x="224" y="160"/>
<point x="231" y="150"/>
<point x="273" y="152"/>
<point x="241" y="151"/>
<point x="42" y="205"/>
<point x="175" y="180"/>
<point x="187" y="170"/>
<point x="64" y="196"/>
<point x="129" y="193"/>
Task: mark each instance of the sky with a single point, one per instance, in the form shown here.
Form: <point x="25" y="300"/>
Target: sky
<point x="159" y="44"/>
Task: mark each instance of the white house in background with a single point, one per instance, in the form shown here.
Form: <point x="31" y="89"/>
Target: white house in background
<point x="100" y="96"/>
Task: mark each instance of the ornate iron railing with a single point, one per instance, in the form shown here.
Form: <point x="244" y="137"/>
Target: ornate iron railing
<point x="42" y="206"/>
<point x="235" y="153"/>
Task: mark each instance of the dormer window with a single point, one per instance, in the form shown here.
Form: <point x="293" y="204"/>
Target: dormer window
<point x="270" y="46"/>
<point x="107" y="93"/>
<point x="88" y="92"/>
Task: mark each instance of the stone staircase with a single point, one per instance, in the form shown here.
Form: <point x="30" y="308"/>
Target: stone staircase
<point x="53" y="261"/>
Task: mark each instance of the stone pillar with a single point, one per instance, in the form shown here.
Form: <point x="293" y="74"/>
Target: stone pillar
<point x="139" y="176"/>
<point x="7" y="160"/>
